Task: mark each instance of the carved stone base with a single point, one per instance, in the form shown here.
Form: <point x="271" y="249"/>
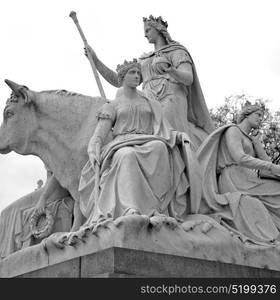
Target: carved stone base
<point x="120" y="262"/>
<point x="138" y="246"/>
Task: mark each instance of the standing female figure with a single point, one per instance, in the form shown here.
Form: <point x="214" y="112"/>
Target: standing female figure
<point x="142" y="169"/>
<point x="169" y="76"/>
<point x="234" y="191"/>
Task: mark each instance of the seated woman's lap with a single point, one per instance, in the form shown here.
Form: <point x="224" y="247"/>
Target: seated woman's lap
<point x="156" y="147"/>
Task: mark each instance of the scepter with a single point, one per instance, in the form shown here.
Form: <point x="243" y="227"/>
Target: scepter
<point x="73" y="15"/>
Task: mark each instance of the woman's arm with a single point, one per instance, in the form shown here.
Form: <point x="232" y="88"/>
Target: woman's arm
<point x="260" y="152"/>
<point x="183" y="73"/>
<point x="234" y="143"/>
<point x="108" y="74"/>
<point x="97" y="141"/>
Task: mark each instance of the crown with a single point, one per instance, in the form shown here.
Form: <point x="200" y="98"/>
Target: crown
<point x="127" y="65"/>
<point x="155" y="21"/>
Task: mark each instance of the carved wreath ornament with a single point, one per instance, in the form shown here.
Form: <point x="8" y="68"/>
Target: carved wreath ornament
<point x="41" y="224"/>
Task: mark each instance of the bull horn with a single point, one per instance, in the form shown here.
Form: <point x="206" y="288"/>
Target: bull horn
<point x="19" y="90"/>
<point x="14" y="86"/>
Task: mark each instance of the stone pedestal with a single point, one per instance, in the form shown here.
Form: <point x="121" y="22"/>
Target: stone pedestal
<point x="122" y="262"/>
<point x="132" y="247"/>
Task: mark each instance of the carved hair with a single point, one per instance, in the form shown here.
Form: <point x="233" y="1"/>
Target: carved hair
<point x="122" y="69"/>
<point x="160" y="25"/>
<point x="13" y="98"/>
<point x="247" y="110"/>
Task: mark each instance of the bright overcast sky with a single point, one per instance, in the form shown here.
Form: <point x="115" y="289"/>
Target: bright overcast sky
<point x="235" y="46"/>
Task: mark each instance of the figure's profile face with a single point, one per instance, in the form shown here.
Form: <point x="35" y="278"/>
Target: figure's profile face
<point x="151" y="33"/>
<point x="132" y="77"/>
<point x="255" y="119"/>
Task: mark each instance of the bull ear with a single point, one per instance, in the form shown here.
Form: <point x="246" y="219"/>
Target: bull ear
<point x="19" y="90"/>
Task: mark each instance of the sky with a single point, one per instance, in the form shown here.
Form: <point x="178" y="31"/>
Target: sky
<point x="235" y="46"/>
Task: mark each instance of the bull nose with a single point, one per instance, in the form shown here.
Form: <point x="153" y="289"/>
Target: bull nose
<point x="4" y="144"/>
<point x="5" y="151"/>
<point x="4" y="148"/>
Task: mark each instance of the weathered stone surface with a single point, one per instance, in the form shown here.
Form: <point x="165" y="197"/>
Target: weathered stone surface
<point x="68" y="269"/>
<point x="131" y="246"/>
<point x="24" y="261"/>
<point x="125" y="263"/>
<point x="99" y="264"/>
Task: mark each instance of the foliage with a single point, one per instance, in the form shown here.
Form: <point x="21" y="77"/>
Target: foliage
<point x="270" y="129"/>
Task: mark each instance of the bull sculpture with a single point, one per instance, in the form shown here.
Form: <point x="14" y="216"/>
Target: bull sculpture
<point x="55" y="126"/>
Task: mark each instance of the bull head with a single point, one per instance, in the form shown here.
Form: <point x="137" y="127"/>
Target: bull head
<point x="19" y="90"/>
<point x="19" y="121"/>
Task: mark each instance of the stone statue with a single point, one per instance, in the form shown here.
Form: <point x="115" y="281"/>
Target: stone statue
<point x="169" y="76"/>
<point x="142" y="170"/>
<point x="127" y="171"/>
<point x="55" y="126"/>
<point x="15" y="228"/>
<point x="233" y="162"/>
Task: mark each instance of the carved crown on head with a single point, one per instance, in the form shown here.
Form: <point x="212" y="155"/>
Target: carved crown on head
<point x="154" y="20"/>
<point x="127" y="65"/>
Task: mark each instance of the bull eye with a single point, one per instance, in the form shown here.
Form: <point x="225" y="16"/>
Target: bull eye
<point x="9" y="114"/>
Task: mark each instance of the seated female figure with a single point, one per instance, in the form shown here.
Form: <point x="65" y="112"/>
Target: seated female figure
<point x="142" y="170"/>
<point x="169" y="77"/>
<point x="232" y="160"/>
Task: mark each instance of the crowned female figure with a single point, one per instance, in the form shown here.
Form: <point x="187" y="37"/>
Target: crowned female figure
<point x="144" y="169"/>
<point x="235" y="191"/>
<point x="169" y="76"/>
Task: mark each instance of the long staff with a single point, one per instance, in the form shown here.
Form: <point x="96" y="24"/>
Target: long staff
<point x="73" y="15"/>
